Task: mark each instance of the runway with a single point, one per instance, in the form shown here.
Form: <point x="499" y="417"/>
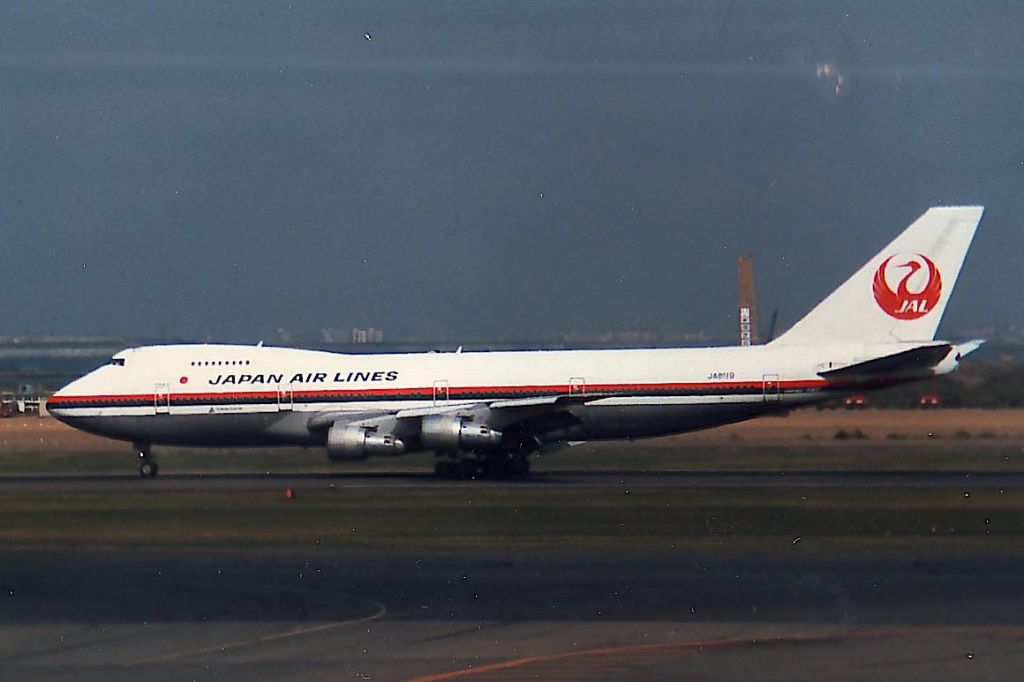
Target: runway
<point x="538" y="614"/>
<point x="614" y="479"/>
<point x="511" y="612"/>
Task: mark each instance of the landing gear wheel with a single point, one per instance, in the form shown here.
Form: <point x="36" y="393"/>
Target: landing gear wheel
<point x="519" y="466"/>
<point x="467" y="469"/>
<point x="147" y="465"/>
<point x="496" y="467"/>
<point x="503" y="466"/>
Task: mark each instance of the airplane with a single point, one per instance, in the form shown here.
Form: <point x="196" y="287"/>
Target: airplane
<point x="486" y="413"/>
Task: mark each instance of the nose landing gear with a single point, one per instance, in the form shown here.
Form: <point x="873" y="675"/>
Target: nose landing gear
<point x="147" y="465"/>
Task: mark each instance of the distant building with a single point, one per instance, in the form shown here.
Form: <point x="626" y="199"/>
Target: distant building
<point x="630" y="338"/>
<point x="368" y="335"/>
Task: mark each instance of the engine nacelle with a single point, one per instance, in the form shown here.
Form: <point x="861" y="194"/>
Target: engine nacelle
<point x="348" y="442"/>
<point x="448" y="433"/>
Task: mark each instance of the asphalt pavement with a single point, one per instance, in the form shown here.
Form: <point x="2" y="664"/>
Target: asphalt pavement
<point x="535" y="614"/>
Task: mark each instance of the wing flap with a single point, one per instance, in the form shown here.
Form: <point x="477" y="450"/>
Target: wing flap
<point x="323" y="420"/>
<point x="415" y="412"/>
<point x="540" y="401"/>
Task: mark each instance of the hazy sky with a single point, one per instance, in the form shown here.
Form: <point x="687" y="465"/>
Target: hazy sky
<point x="490" y="169"/>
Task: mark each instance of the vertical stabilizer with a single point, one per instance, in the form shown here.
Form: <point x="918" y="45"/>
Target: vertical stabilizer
<point x="901" y="293"/>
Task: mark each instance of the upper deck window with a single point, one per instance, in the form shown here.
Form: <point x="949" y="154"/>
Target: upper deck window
<point x="217" y="363"/>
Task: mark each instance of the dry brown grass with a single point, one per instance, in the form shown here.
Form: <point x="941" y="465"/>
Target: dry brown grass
<point x="875" y="424"/>
<point x="28" y="434"/>
<point x="43" y="434"/>
<point x="969" y="439"/>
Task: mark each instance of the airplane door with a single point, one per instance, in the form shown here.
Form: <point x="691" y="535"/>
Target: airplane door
<point x="577" y="386"/>
<point x="285" y="398"/>
<point x="771" y="388"/>
<point x="440" y="392"/>
<point x="162" y="398"/>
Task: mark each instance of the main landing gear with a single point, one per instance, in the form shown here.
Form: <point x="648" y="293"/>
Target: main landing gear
<point x="495" y="467"/>
<point x="147" y="465"/>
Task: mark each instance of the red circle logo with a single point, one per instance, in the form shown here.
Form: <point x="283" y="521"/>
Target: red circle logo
<point x="183" y="380"/>
<point x="918" y="286"/>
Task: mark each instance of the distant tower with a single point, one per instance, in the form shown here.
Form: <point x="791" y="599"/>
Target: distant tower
<point x="748" y="309"/>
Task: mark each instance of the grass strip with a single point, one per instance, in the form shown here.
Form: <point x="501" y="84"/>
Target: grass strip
<point x="515" y="516"/>
<point x="992" y="455"/>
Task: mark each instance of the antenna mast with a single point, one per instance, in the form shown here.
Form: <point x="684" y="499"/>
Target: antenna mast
<point x="748" y="308"/>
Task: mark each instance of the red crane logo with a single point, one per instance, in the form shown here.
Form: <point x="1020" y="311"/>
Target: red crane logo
<point x="904" y="303"/>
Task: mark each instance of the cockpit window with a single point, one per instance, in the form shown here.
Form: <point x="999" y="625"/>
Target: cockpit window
<point x="117" y="361"/>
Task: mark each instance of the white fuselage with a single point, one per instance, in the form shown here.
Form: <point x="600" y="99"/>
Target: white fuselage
<point x="234" y="395"/>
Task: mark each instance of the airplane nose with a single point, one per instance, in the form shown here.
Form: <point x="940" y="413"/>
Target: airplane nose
<point x="59" y="400"/>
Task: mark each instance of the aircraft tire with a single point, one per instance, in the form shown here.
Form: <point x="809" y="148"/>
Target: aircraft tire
<point x="496" y="467"/>
<point x="467" y="469"/>
<point x="148" y="469"/>
<point x="519" y="466"/>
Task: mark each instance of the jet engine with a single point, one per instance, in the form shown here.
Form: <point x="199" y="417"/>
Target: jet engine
<point x="448" y="433"/>
<point x="350" y="442"/>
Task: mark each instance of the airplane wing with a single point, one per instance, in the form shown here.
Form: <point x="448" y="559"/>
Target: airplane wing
<point x="500" y="413"/>
<point x="326" y="418"/>
<point x="521" y="403"/>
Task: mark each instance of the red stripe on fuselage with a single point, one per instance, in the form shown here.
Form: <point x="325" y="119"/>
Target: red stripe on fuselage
<point x="595" y="390"/>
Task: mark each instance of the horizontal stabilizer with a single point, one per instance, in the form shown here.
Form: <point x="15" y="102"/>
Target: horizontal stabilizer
<point x="914" y="361"/>
<point x="968" y="347"/>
